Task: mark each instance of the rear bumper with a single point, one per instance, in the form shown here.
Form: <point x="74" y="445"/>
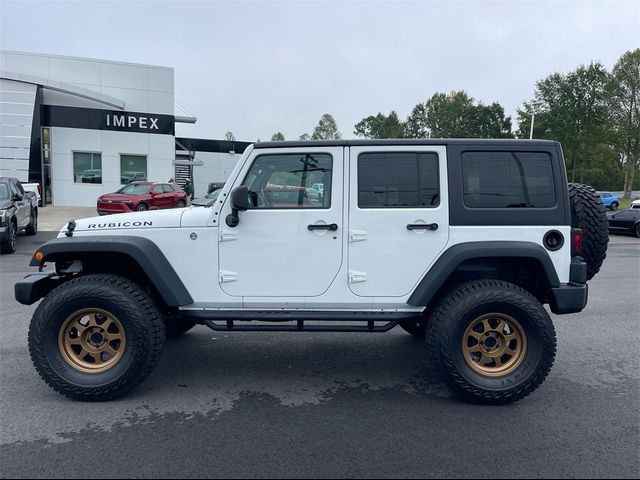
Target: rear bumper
<point x="572" y="297"/>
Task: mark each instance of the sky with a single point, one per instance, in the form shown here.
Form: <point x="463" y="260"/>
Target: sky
<point x="255" y="68"/>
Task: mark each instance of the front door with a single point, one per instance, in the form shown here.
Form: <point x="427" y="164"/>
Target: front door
<point x="289" y="243"/>
<point x="398" y="217"/>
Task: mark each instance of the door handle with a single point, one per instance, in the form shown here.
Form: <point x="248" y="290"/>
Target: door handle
<point x="422" y="226"/>
<point x="332" y="227"/>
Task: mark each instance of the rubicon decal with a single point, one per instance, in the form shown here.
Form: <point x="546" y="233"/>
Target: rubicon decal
<point x="120" y="225"/>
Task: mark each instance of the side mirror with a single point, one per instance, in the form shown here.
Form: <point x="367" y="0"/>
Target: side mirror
<point x="239" y="203"/>
<point x="17" y="197"/>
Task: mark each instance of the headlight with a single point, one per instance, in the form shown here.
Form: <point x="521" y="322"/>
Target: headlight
<point x="2" y="212"/>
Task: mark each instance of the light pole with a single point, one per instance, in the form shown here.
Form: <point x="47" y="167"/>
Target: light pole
<point x="533" y="118"/>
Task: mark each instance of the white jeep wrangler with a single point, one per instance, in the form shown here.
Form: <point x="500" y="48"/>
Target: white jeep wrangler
<point x="461" y="242"/>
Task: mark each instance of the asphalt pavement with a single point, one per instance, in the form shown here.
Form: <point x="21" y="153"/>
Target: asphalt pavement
<point x="332" y="405"/>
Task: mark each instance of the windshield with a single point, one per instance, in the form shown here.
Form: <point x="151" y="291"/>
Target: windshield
<point x="135" y="189"/>
<point x="4" y="191"/>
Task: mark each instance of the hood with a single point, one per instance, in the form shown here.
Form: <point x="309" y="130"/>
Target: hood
<point x="119" y="197"/>
<point x="5" y="203"/>
<point x="119" y="223"/>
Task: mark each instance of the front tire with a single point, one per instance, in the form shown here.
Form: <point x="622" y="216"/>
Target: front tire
<point x="142" y="207"/>
<point x="9" y="245"/>
<point x="96" y="337"/>
<point x="491" y="341"/>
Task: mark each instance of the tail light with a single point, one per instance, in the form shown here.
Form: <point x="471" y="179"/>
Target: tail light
<point x="576" y="241"/>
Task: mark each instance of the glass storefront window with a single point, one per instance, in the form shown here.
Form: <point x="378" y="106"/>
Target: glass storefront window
<point x="133" y="168"/>
<point x="87" y="167"/>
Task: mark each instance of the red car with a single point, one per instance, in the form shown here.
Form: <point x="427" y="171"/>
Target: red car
<point x="140" y="196"/>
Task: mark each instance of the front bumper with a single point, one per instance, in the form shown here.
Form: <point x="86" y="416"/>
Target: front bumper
<point x="35" y="286"/>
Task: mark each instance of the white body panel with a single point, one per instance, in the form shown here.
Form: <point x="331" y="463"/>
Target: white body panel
<point x="270" y="261"/>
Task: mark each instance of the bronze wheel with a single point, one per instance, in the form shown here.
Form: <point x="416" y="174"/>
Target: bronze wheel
<point x="92" y="340"/>
<point x="494" y="344"/>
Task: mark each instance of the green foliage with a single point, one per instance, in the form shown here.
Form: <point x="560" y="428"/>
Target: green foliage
<point x="277" y="137"/>
<point x="305" y="136"/>
<point x="327" y="129"/>
<point x="230" y="137"/>
<point x="624" y="110"/>
<point x="457" y="115"/>
<point x="380" y="126"/>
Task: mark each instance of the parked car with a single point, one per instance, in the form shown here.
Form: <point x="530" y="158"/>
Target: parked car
<point x="625" y="221"/>
<point x="128" y="177"/>
<point x="207" y="200"/>
<point x="635" y="204"/>
<point x="213" y="186"/>
<point x="140" y="196"/>
<point x="35" y="188"/>
<point x="609" y="200"/>
<point x="18" y="211"/>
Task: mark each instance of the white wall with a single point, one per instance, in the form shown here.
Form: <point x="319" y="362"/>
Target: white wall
<point x="159" y="150"/>
<point x="216" y="168"/>
<point x="143" y="88"/>
<point x="16" y="116"/>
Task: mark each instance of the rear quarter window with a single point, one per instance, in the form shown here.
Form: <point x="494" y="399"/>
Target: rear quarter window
<point x="508" y="179"/>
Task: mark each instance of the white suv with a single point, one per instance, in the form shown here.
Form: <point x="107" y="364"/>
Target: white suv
<point x="461" y="242"/>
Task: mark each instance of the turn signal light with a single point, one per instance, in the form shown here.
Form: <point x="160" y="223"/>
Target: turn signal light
<point x="576" y="241"/>
<point x="39" y="256"/>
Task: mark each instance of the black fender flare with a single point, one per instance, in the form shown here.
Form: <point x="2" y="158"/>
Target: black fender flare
<point x="141" y="250"/>
<point x="457" y="254"/>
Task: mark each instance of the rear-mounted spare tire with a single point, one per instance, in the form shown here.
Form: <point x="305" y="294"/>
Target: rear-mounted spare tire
<point x="589" y="214"/>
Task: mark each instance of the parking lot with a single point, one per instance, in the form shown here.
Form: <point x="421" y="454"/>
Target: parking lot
<point x="332" y="405"/>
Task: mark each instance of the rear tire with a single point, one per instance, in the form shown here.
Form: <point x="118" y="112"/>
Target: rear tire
<point x="415" y="328"/>
<point x="96" y="337"/>
<point x="614" y="206"/>
<point x="180" y="204"/>
<point x="589" y="214"/>
<point x="491" y="341"/>
<point x="32" y="228"/>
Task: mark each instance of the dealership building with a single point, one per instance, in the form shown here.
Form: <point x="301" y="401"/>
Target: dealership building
<point x="83" y="127"/>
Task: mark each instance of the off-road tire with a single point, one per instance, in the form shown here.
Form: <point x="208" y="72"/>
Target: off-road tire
<point x="130" y="304"/>
<point x="176" y="325"/>
<point x="9" y="245"/>
<point x="446" y="326"/>
<point x="415" y="328"/>
<point x="32" y="228"/>
<point x="589" y="214"/>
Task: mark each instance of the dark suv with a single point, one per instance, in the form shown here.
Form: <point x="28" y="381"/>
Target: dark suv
<point x="18" y="211"/>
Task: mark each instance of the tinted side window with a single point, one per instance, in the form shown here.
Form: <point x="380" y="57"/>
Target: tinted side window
<point x="167" y="188"/>
<point x="157" y="189"/>
<point x="398" y="180"/>
<point x="285" y="181"/>
<point x="508" y="180"/>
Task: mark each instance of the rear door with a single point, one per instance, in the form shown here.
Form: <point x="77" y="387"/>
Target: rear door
<point x="398" y="217"/>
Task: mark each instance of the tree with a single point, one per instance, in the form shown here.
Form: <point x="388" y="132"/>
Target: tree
<point x="327" y="129"/>
<point x="305" y="136"/>
<point x="230" y="137"/>
<point x="457" y="115"/>
<point x="571" y="109"/>
<point x="380" y="126"/>
<point x="624" y="110"/>
<point x="277" y="137"/>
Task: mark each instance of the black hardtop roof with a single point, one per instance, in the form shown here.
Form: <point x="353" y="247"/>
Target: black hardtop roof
<point x="408" y="141"/>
